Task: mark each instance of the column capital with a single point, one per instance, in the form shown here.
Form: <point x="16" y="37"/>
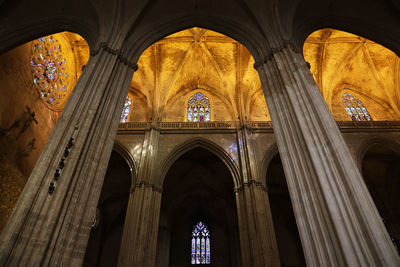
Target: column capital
<point x="249" y="183"/>
<point x="272" y="51"/>
<point x="118" y="53"/>
<point x="147" y="185"/>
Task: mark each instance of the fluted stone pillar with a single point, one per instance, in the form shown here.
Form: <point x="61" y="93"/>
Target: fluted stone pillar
<point x="52" y="229"/>
<point x="139" y="239"/>
<point x="338" y="222"/>
<point x="256" y="230"/>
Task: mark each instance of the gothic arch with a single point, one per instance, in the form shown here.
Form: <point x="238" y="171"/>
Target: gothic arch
<point x="120" y="148"/>
<point x="251" y="39"/>
<point x="269" y="155"/>
<point x="203" y="143"/>
<point x="366" y="29"/>
<point x="281" y="204"/>
<point x="298" y="19"/>
<point x="30" y="29"/>
<point x="367" y="144"/>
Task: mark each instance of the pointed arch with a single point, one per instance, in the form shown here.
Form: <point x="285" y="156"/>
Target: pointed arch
<point x="366" y="145"/>
<point x="254" y="41"/>
<point x="126" y="155"/>
<point x="304" y="19"/>
<point x="32" y="28"/>
<point x="195" y="143"/>
<point x="269" y="155"/>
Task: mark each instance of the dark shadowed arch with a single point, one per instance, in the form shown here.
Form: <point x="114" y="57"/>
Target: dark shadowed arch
<point x="107" y="227"/>
<point x="380" y="167"/>
<point x="123" y="152"/>
<point x="375" y="141"/>
<point x="203" y="143"/>
<point x="255" y="42"/>
<point x="269" y="155"/>
<point x="285" y="225"/>
<point x="198" y="187"/>
<point x="305" y="17"/>
<point x="30" y="29"/>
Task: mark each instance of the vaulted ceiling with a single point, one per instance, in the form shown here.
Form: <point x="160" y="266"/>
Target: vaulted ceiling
<point x="198" y="60"/>
<point x="342" y="62"/>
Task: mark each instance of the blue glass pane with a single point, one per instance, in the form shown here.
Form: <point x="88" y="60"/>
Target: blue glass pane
<point x="200" y="246"/>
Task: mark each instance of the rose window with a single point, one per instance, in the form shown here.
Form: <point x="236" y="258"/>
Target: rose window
<point x="49" y="69"/>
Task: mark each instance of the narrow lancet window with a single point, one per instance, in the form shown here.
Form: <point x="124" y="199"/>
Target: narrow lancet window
<point x="355" y="108"/>
<point x="198" y="108"/>
<point x="201" y="253"/>
<point x="126" y="110"/>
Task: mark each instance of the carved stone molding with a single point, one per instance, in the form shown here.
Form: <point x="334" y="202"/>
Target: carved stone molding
<point x="149" y="185"/>
<point x="250" y="183"/>
<point x="118" y="53"/>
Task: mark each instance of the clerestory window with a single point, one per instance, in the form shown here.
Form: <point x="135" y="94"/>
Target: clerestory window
<point x="198" y="109"/>
<point x="355" y="108"/>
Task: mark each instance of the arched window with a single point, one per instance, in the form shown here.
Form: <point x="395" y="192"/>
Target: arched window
<point x="355" y="108"/>
<point x="126" y="110"/>
<point x="198" y="108"/>
<point x="201" y="253"/>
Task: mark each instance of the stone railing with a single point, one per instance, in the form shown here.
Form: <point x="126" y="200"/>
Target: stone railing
<point x="369" y="124"/>
<point x="198" y="125"/>
<point x="254" y="125"/>
<point x="135" y="125"/>
<point x="179" y="125"/>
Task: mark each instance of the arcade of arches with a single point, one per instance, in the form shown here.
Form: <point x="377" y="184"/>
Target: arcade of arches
<point x="311" y="180"/>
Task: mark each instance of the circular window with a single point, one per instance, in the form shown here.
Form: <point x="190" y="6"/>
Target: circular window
<point x="50" y="70"/>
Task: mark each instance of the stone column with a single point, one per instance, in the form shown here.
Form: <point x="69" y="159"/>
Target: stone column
<point x="139" y="239"/>
<point x="338" y="222"/>
<point x="257" y="236"/>
<point x="52" y="229"/>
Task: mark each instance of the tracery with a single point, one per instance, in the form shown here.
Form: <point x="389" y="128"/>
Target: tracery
<point x="201" y="253"/>
<point x="49" y="70"/>
<point x="355" y="108"/>
<point x="198" y="108"/>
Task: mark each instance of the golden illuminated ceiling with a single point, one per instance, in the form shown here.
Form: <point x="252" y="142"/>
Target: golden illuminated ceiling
<point x="342" y="62"/>
<point x="197" y="60"/>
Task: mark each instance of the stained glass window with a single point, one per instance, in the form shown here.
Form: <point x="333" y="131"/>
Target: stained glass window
<point x="49" y="70"/>
<point x="126" y="110"/>
<point x="198" y="108"/>
<point x="355" y="108"/>
<point x="201" y="253"/>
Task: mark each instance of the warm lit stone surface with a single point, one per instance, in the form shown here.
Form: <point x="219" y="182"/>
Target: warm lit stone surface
<point x="342" y="62"/>
<point x="197" y="60"/>
<point x="21" y="138"/>
<point x="170" y="71"/>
